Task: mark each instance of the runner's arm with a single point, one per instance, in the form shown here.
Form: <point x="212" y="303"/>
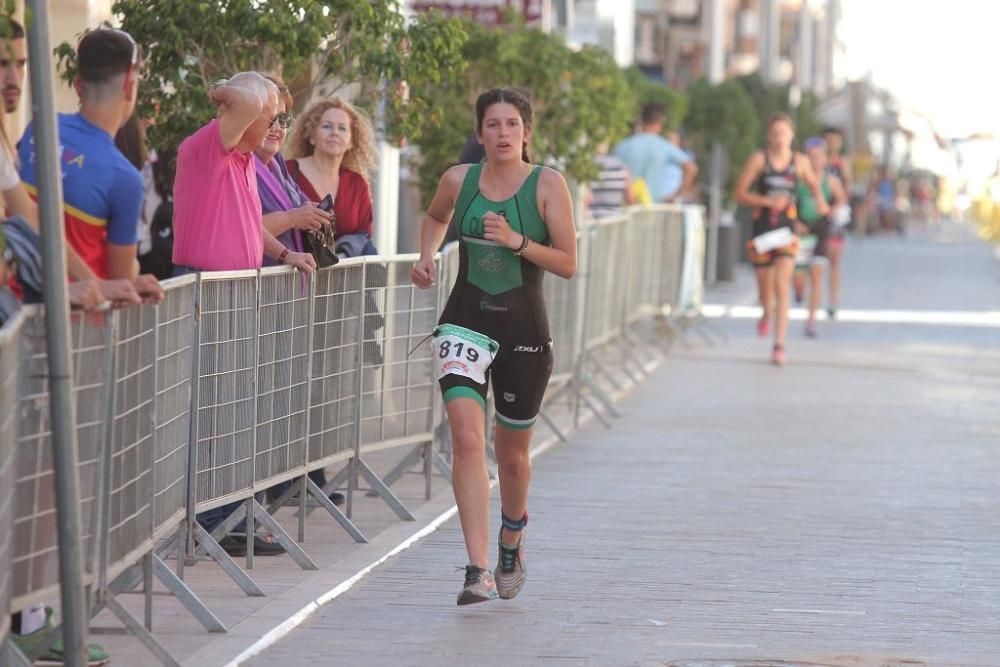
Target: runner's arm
<point x="805" y="171"/>
<point x="838" y="192"/>
<point x="557" y="212"/>
<point x="751" y="171"/>
<point x="434" y="224"/>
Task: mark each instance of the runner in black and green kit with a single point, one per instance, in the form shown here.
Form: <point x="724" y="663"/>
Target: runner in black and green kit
<point x="817" y="227"/>
<point x="515" y="222"/>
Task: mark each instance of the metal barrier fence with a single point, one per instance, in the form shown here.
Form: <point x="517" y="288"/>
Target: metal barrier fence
<point x="239" y="381"/>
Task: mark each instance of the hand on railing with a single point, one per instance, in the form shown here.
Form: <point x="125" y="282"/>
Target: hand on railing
<point x="302" y="261"/>
<point x="423" y="272"/>
<point x="92" y="294"/>
<point x="149" y="288"/>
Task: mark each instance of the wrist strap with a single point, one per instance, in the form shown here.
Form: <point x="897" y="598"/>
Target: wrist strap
<point x="282" y="256"/>
<point x="524" y="245"/>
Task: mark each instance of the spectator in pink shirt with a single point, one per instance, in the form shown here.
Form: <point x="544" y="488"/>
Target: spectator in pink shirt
<point x="218" y="224"/>
<point x="217" y="213"/>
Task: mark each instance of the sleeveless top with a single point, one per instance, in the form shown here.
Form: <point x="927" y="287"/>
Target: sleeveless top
<point x="498" y="293"/>
<point x="807" y="203"/>
<point x="771" y="183"/>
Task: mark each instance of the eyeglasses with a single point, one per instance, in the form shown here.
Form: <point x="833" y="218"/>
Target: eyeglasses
<point x="284" y="120"/>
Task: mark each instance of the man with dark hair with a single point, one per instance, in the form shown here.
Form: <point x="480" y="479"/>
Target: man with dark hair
<point x="648" y="155"/>
<point x="102" y="191"/>
<point x="13" y="60"/>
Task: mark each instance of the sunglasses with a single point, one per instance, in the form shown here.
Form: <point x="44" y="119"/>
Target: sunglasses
<point x="284" y="120"/>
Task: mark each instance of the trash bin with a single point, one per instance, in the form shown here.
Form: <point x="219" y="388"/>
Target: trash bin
<point x="729" y="248"/>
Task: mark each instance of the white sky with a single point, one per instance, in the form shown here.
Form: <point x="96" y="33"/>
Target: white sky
<point x="937" y="58"/>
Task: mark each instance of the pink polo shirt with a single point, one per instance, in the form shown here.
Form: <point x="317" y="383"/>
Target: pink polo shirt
<point x="217" y="213"/>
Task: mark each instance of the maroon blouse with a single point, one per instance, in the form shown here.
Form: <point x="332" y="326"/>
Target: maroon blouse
<point x="352" y="205"/>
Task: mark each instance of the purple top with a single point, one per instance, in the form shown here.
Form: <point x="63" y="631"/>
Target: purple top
<point x="279" y="192"/>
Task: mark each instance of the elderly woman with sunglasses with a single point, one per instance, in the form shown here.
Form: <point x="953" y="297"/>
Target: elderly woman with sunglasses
<point x="286" y="209"/>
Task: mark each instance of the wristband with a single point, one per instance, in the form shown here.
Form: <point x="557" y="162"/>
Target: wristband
<point x="282" y="256"/>
<point x="524" y="245"/>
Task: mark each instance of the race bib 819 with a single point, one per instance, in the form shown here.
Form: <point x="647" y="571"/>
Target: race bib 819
<point x="460" y="351"/>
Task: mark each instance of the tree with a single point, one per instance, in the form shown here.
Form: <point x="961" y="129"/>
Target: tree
<point x="722" y="113"/>
<point x="188" y="44"/>
<point x="646" y="90"/>
<point x="769" y="100"/>
<point x="580" y="99"/>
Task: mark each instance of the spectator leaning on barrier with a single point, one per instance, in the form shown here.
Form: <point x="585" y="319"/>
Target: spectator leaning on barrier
<point x="102" y="191"/>
<point x="12" y="70"/>
<point x="287" y="213"/>
<point x="648" y="155"/>
<point x="217" y="211"/>
<point x="334" y="149"/>
<point x="218" y="223"/>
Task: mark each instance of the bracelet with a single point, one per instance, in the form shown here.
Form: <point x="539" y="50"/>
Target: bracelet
<point x="524" y="245"/>
<point x="282" y="256"/>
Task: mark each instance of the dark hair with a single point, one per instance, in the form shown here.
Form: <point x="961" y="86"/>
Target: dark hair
<point x="104" y="54"/>
<point x="10" y="29"/>
<point x="653" y="112"/>
<point x="832" y="130"/>
<point x="131" y="141"/>
<point x="515" y="98"/>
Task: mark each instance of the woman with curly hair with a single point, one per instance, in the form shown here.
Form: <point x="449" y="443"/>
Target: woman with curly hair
<point x="334" y="149"/>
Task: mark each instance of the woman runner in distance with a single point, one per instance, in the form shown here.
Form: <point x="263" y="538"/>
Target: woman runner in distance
<point x="774" y="174"/>
<point x="515" y="222"/>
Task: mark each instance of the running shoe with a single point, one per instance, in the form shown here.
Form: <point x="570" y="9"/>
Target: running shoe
<point x="778" y="356"/>
<point x="763" y="326"/>
<point x="832" y="312"/>
<point x="510" y="570"/>
<point x="811" y="328"/>
<point x="479" y="586"/>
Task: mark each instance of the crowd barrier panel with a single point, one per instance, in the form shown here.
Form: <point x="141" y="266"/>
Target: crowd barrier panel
<point x="9" y="346"/>
<point x="242" y="380"/>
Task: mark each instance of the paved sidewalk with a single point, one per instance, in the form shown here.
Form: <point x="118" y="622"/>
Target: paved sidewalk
<point x="840" y="511"/>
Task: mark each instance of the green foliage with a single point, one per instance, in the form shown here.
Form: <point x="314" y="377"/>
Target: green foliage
<point x="188" y="44"/>
<point x="580" y="99"/>
<point x="722" y="113"/>
<point x="646" y="90"/>
<point x="769" y="100"/>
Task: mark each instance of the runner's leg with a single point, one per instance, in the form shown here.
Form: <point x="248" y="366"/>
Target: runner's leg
<point x="469" y="477"/>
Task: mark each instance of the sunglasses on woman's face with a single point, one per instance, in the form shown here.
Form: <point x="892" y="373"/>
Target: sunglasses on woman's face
<point x="283" y="120"/>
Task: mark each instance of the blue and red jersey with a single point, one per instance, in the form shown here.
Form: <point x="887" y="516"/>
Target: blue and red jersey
<point x="102" y="190"/>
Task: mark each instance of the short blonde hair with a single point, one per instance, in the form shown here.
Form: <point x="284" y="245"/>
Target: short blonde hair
<point x="361" y="158"/>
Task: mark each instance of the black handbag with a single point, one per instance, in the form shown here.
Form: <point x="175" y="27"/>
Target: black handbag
<point x="322" y="245"/>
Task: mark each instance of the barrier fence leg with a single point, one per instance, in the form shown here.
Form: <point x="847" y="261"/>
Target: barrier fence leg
<point x="385" y="492"/>
<point x="141" y="633"/>
<point x="413" y="458"/>
<point x="324" y="500"/>
<point x="132" y="577"/>
<point x="147" y="576"/>
<point x="284" y="539"/>
<point x="552" y="426"/>
<point x="186" y="597"/>
<point x="226" y="562"/>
